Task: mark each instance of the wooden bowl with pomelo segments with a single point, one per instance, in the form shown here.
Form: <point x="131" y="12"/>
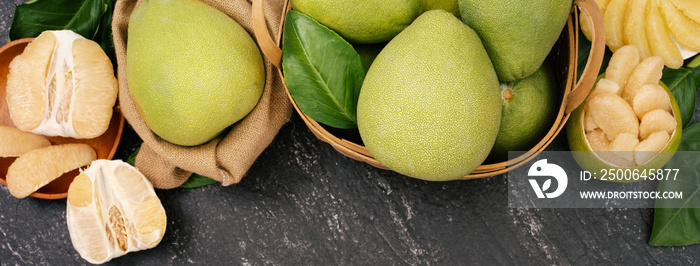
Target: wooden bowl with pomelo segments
<point x="563" y="60"/>
<point x="105" y="145"/>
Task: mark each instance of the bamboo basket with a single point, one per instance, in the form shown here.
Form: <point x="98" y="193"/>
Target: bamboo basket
<point x="563" y="60"/>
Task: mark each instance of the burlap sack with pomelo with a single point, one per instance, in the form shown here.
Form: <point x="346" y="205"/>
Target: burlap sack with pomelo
<point x="227" y="157"/>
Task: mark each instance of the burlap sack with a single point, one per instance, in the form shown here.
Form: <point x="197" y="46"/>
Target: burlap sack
<point x="229" y="156"/>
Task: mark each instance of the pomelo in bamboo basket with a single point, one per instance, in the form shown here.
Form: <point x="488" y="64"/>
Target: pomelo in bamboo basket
<point x="562" y="59"/>
<point x="429" y="107"/>
<point x="634" y="124"/>
<point x="367" y="21"/>
<point x="518" y="35"/>
<point x="193" y="70"/>
<point x="529" y="107"/>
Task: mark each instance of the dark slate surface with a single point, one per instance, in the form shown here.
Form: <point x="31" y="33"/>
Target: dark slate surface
<point x="304" y="203"/>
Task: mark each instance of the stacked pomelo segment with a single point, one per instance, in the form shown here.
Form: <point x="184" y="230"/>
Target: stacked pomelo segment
<point x="112" y="210"/>
<point x="653" y="26"/>
<point x="39" y="167"/>
<point x="38" y="162"/>
<point x="628" y="117"/>
<point x="16" y="142"/>
<point x="62" y="85"/>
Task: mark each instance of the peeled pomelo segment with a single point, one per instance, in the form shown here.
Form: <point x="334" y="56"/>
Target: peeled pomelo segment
<point x="598" y="140"/>
<point x="686" y="32"/>
<point x="603" y="86"/>
<point x="613" y="20"/>
<point x="633" y="32"/>
<point x="94" y="75"/>
<point x="623" y="146"/>
<point x="151" y="228"/>
<point x="68" y="91"/>
<point x="599" y="143"/>
<point x="613" y="115"/>
<point x="590" y="124"/>
<point x="657" y="120"/>
<point x="650" y="97"/>
<point x="112" y="210"/>
<point x="606" y="86"/>
<point x="16" y="142"/>
<point x="82" y="190"/>
<point x="26" y="83"/>
<point x="39" y="167"/>
<point x="659" y="37"/>
<point x="690" y="8"/>
<point x="649" y="71"/>
<point x="648" y="148"/>
<point x="584" y="20"/>
<point x="622" y="64"/>
<point x="81" y="194"/>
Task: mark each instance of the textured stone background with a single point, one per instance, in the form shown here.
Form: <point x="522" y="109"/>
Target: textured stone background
<point x="304" y="203"/>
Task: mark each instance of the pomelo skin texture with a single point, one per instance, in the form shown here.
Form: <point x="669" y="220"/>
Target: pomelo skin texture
<point x="529" y="108"/>
<point x="518" y="35"/>
<point x="366" y="21"/>
<point x="430" y="106"/>
<point x="590" y="162"/>
<point x="192" y="70"/>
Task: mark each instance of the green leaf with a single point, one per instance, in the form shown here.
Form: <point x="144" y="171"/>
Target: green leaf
<point x="132" y="158"/>
<point x="104" y="33"/>
<point x="677" y="221"/>
<point x="684" y="83"/>
<point x="323" y="72"/>
<point x="690" y="141"/>
<point x="196" y="181"/>
<point x="80" y="16"/>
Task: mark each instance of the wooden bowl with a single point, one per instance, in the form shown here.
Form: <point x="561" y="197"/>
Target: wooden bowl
<point x="563" y="59"/>
<point x="105" y="145"/>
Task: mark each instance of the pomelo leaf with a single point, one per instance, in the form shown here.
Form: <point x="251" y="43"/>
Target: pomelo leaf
<point x="104" y="34"/>
<point x="91" y="19"/>
<point x="80" y="16"/>
<point x="683" y="83"/>
<point x="196" y="181"/>
<point x="323" y="72"/>
<point x="677" y="221"/>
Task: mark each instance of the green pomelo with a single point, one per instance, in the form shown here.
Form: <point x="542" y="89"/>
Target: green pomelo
<point x="367" y="21"/>
<point x="193" y="71"/>
<point x="529" y="109"/>
<point x="592" y="161"/>
<point x="518" y="35"/>
<point x="429" y="107"/>
<point x="447" y="5"/>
